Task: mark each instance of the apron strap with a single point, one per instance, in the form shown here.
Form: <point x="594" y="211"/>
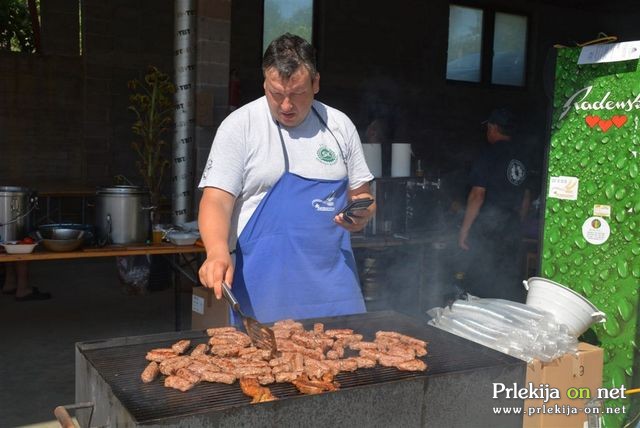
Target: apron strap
<point x="284" y="148"/>
<point x="344" y="158"/>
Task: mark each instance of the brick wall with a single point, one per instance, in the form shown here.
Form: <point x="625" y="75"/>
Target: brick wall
<point x="40" y="139"/>
<point x="64" y="122"/>
<point x="121" y="39"/>
<point x="213" y="39"/>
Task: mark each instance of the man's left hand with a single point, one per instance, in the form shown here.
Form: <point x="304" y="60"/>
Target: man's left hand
<point x="359" y="218"/>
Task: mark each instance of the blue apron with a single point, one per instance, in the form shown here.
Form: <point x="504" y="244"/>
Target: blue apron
<point x="292" y="260"/>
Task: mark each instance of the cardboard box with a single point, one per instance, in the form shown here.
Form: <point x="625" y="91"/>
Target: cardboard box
<point x="569" y="371"/>
<point x="206" y="310"/>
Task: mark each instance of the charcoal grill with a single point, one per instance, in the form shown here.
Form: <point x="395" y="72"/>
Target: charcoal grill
<point x="455" y="391"/>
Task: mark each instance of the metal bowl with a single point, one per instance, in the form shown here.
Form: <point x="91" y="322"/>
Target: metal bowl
<point x="60" y="245"/>
<point x="60" y="239"/>
<point x="50" y="231"/>
<point x="61" y="234"/>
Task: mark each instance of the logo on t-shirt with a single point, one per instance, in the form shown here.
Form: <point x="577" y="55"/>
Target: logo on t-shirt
<point x="516" y="172"/>
<point x="207" y="168"/>
<point x="326" y="155"/>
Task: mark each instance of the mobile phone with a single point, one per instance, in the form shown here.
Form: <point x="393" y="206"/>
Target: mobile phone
<point x="355" y="205"/>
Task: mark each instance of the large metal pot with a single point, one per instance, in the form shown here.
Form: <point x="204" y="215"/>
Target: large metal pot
<point x="14" y="212"/>
<point x="122" y="214"/>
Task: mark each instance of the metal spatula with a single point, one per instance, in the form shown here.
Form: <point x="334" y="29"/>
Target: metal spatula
<point x="261" y="336"/>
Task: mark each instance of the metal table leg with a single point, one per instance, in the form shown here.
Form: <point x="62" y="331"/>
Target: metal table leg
<point x="176" y="269"/>
<point x="177" y="303"/>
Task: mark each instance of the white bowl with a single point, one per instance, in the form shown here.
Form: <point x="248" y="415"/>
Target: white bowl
<point x="182" y="238"/>
<point x="569" y="307"/>
<point x="14" y="247"/>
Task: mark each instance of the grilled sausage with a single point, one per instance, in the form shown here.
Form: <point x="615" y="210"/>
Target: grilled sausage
<point x="150" y="372"/>
<point x="412" y="366"/>
<point x="201" y="349"/>
<point x="211" y="376"/>
<point x="176" y="382"/>
<point x="187" y="374"/>
<point x="219" y="330"/>
<point x="159" y="355"/>
<point x="180" y="346"/>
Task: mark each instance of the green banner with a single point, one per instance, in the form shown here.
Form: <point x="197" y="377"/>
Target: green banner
<point x="591" y="240"/>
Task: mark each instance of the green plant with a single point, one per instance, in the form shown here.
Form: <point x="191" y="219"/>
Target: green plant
<point x="16" y="31"/>
<point x="152" y="102"/>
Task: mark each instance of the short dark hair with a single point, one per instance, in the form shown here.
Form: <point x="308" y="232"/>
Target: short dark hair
<point x="287" y="53"/>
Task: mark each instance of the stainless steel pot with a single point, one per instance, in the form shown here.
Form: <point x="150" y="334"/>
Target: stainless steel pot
<point x="14" y="212"/>
<point x="122" y="214"/>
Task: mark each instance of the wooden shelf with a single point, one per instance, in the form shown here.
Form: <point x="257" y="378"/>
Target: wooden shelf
<point x="107" y="251"/>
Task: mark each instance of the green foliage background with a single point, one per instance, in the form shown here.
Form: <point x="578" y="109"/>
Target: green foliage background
<point x="278" y="19"/>
<point x="16" y="33"/>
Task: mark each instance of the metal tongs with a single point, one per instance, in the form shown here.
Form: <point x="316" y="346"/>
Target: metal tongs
<point x="261" y="335"/>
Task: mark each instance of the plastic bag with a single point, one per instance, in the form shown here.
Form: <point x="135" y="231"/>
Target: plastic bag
<point x="134" y="272"/>
<point x="508" y="327"/>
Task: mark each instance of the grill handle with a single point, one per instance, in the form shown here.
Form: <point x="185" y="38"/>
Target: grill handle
<point x="63" y="416"/>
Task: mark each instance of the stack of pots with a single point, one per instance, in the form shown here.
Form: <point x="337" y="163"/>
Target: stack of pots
<point x="123" y="214"/>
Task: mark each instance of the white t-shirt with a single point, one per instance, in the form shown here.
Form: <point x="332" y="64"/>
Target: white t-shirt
<point x="246" y="157"/>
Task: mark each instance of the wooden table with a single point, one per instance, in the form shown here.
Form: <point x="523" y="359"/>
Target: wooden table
<point x="107" y="251"/>
<point x="168" y="250"/>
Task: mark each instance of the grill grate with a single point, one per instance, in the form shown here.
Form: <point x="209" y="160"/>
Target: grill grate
<point x="120" y="367"/>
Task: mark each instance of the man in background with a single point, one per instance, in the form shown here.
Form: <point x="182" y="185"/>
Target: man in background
<point x="496" y="206"/>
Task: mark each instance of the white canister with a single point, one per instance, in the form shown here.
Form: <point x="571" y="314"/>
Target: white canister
<point x="373" y="157"/>
<point x="401" y="160"/>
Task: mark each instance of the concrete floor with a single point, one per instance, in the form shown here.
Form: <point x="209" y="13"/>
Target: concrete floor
<point x="37" y="356"/>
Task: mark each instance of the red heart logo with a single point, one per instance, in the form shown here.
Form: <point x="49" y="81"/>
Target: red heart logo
<point x="592" y="120"/>
<point x="619" y="120"/>
<point x="605" y="125"/>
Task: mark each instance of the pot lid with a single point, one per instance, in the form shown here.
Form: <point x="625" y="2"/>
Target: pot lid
<point x="14" y="189"/>
<point x="122" y="190"/>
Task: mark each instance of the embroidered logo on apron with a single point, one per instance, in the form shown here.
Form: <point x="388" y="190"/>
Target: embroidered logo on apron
<point x="326" y="155"/>
<point x="326" y="204"/>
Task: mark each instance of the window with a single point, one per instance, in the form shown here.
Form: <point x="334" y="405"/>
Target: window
<point x="281" y="16"/>
<point x="465" y="44"/>
<point x="486" y="46"/>
<point x="509" y="47"/>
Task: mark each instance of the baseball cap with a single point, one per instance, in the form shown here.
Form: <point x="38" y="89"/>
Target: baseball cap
<point x="503" y="117"/>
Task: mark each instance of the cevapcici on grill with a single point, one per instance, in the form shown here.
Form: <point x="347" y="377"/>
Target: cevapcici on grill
<point x="309" y="360"/>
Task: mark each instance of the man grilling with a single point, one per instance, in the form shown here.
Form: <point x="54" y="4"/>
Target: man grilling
<point x="279" y="171"/>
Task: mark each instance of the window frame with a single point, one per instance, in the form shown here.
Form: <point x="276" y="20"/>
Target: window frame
<point x="486" y="47"/>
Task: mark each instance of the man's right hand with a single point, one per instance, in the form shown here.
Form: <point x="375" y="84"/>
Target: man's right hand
<point x="462" y="240"/>
<point x="216" y="206"/>
<point x="215" y="269"/>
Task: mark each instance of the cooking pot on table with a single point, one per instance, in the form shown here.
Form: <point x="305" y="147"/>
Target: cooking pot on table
<point x="15" y="205"/>
<point x="123" y="214"/>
